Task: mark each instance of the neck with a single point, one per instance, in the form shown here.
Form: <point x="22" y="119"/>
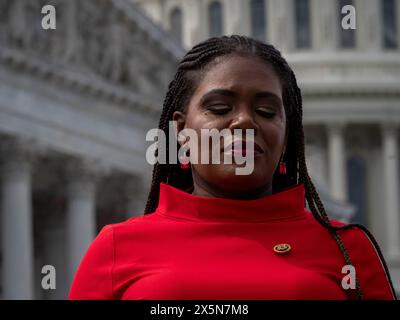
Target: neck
<point x="204" y="189"/>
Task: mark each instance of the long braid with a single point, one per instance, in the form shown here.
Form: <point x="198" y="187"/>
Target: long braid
<point x="189" y="72"/>
<point x="313" y="199"/>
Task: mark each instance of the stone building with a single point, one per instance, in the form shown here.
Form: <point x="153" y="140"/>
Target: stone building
<point x="76" y="103"/>
<point x="75" y="106"/>
<point x="350" y="80"/>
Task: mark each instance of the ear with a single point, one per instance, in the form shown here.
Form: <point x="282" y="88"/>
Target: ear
<point x="180" y="119"/>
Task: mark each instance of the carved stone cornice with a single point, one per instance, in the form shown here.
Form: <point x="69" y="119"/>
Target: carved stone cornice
<point x="314" y="90"/>
<point x="17" y="155"/>
<point x="93" y="85"/>
<point x="98" y="48"/>
<point x="156" y="34"/>
<point x="350" y="74"/>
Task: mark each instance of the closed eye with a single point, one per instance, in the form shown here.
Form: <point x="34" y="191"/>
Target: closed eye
<point x="267" y="113"/>
<point x="219" y="108"/>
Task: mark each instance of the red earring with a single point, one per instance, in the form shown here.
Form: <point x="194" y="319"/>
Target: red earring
<point x="184" y="165"/>
<point x="184" y="161"/>
<point x="282" y="166"/>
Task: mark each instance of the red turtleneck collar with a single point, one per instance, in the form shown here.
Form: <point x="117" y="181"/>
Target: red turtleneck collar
<point x="287" y="204"/>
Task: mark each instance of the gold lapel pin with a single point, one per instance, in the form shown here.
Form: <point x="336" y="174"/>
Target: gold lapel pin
<point x="282" y="248"/>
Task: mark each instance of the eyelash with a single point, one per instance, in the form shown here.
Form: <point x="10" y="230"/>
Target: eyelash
<point x="267" y="114"/>
<point x="221" y="111"/>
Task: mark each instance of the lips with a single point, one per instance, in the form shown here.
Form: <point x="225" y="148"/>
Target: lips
<point x="243" y="147"/>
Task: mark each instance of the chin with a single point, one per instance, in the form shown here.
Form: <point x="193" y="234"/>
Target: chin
<point x="233" y="182"/>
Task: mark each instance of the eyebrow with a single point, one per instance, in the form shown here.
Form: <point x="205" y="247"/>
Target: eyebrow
<point x="267" y="94"/>
<point x="230" y="93"/>
<point x="224" y="92"/>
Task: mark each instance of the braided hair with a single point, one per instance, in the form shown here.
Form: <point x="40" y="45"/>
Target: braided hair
<point x="190" y="70"/>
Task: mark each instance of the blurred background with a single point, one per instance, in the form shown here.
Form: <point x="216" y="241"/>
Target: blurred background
<point x="77" y="101"/>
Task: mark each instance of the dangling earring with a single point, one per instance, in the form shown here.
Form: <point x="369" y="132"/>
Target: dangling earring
<point x="184" y="160"/>
<point x="282" y="166"/>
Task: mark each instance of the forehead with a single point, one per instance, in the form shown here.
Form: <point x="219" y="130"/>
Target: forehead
<point x="240" y="73"/>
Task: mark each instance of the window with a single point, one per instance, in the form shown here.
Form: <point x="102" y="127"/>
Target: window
<point x="389" y="25"/>
<point x="215" y="19"/>
<point x="258" y="25"/>
<point x="176" y="23"/>
<point x="357" y="185"/>
<point x="346" y="36"/>
<point x="302" y="23"/>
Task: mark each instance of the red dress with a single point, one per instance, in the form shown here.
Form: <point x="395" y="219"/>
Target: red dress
<point x="195" y="247"/>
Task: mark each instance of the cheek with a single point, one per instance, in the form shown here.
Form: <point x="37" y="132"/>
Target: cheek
<point x="201" y="122"/>
<point x="274" y="137"/>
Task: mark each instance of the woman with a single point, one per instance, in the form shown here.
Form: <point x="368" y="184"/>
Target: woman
<point x="209" y="233"/>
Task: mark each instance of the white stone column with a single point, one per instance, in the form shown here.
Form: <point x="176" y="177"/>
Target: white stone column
<point x="324" y="24"/>
<point x="81" y="214"/>
<point x="391" y="188"/>
<point x="280" y="24"/>
<point x="337" y="161"/>
<point x="235" y="18"/>
<point x="369" y="24"/>
<point x="16" y="224"/>
<point x="193" y="24"/>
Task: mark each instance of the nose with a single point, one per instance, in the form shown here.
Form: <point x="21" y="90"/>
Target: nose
<point x="244" y="119"/>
